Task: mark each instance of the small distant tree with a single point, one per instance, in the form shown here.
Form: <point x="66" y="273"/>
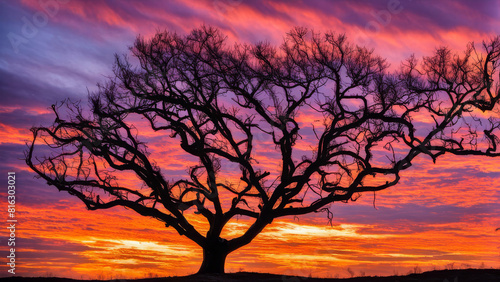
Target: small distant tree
<point x="226" y="105"/>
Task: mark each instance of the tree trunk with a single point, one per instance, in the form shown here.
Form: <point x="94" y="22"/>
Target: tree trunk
<point x="216" y="249"/>
<point x="214" y="258"/>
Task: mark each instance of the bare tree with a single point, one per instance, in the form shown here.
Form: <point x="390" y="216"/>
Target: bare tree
<point x="214" y="99"/>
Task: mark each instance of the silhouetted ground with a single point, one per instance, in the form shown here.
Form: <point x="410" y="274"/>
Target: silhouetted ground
<point x="461" y="275"/>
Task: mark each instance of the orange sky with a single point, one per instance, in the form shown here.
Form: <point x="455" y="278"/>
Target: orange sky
<point x="440" y="215"/>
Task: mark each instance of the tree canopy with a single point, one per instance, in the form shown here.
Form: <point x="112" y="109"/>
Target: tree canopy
<point x="362" y="123"/>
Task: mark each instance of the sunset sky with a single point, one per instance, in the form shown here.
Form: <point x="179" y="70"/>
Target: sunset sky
<point x="439" y="216"/>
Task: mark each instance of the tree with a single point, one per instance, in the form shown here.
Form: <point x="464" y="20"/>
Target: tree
<point x="213" y="99"/>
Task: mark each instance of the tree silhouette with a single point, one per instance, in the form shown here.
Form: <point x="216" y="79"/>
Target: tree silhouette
<point x="223" y="103"/>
